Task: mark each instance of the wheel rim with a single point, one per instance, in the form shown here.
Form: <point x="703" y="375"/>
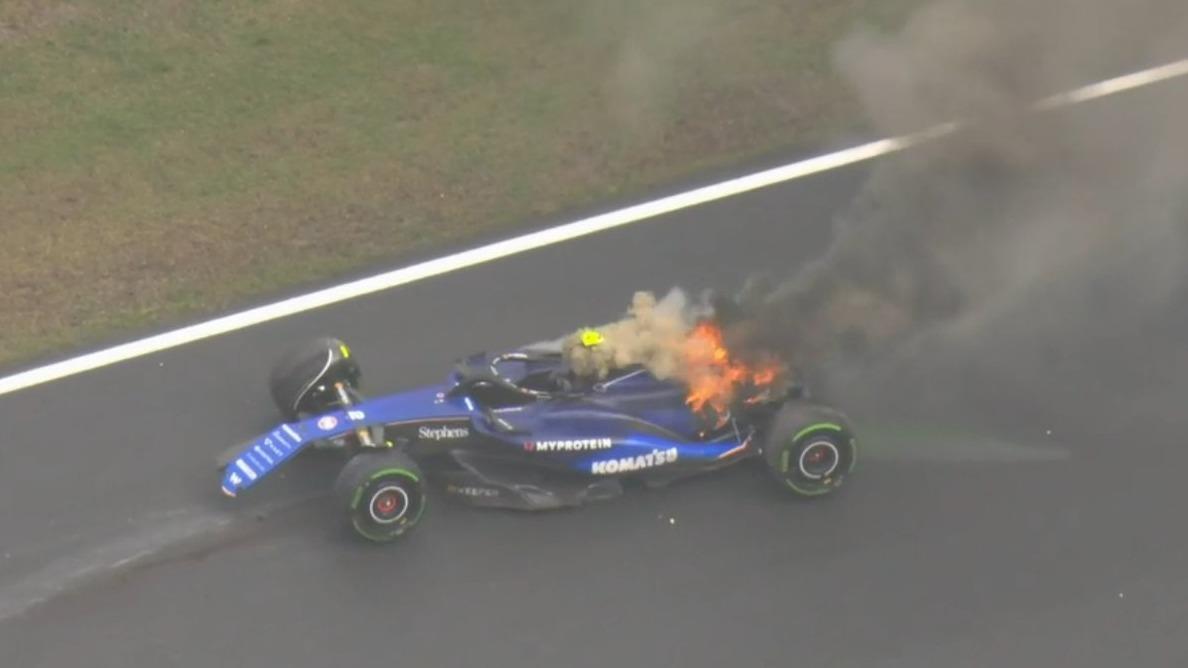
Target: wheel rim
<point x="388" y="504"/>
<point x="818" y="460"/>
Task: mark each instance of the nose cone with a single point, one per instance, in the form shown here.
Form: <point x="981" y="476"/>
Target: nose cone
<point x="233" y="477"/>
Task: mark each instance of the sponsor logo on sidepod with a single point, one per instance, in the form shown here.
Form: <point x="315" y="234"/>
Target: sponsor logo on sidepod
<point x="569" y="445"/>
<point x="328" y="422"/>
<point x="443" y="433"/>
<point x="624" y="464"/>
<point x="467" y="490"/>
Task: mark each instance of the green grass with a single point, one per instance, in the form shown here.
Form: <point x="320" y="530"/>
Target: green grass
<point x="165" y="159"/>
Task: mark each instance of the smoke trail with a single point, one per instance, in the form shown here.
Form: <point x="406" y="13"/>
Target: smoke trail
<point x="654" y="39"/>
<point x="1041" y="258"/>
<point x="1014" y="258"/>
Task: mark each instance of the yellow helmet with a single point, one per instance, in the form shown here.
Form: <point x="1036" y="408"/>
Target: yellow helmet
<point x="591" y="337"/>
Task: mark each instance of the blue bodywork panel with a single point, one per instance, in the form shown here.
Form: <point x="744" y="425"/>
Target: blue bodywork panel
<point x="270" y="450"/>
<point x="630" y="424"/>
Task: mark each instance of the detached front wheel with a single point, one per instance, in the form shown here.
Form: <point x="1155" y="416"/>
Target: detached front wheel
<point x="383" y="494"/>
<point x="810" y="448"/>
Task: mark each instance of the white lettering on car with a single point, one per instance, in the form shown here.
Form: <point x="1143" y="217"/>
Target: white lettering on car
<point x="472" y="491"/>
<point x="243" y="466"/>
<point x="569" y="445"/>
<point x="260" y="451"/>
<point x="636" y="463"/>
<point x="443" y="433"/>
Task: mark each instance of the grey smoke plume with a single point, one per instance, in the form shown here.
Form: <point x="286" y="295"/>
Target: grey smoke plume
<point x="654" y="39"/>
<point x="1033" y="250"/>
<point x="1038" y="257"/>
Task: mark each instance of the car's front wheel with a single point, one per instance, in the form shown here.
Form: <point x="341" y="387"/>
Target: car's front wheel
<point x="810" y="448"/>
<point x="383" y="494"/>
<point x="303" y="381"/>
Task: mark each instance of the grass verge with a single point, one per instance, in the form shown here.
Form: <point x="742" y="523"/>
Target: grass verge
<point x="164" y="159"/>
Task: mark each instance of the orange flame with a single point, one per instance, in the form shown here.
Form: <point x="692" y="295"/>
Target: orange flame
<point x="715" y="376"/>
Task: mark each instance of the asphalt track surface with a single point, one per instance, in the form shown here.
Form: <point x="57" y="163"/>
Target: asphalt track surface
<point x="1058" y="539"/>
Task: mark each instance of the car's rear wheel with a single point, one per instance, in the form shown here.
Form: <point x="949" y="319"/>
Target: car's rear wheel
<point x="383" y="494"/>
<point x="810" y="448"/>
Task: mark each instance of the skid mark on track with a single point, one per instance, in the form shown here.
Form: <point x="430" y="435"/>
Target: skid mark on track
<point x="937" y="444"/>
<point x="166" y="538"/>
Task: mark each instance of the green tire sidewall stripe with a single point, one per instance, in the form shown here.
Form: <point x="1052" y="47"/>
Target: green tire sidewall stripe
<point x="785" y="455"/>
<point x="383" y="538"/>
<point x="404" y="472"/>
<point x="379" y="474"/>
<point x="362" y="531"/>
<point x="378" y="538"/>
<point x="814" y="427"/>
<point x="807" y="492"/>
<point x="420" y="511"/>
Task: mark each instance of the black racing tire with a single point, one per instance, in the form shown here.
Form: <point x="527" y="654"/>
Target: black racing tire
<point x="810" y="448"/>
<point x="383" y="494"/>
<point x="302" y="380"/>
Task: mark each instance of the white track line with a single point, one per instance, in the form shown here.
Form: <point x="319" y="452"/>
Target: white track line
<point x="547" y="237"/>
<point x="1116" y="85"/>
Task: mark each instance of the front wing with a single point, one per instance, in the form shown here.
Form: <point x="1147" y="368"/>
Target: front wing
<point x="269" y="451"/>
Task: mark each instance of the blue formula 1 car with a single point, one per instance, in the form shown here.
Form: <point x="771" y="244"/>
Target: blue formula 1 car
<point x="517" y="430"/>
